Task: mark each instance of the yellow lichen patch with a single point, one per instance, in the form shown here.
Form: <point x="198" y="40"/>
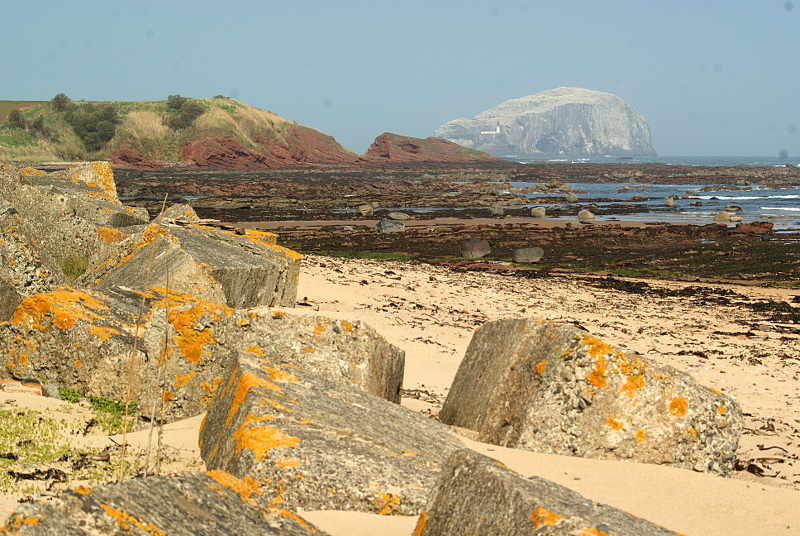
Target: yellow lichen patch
<point x="597" y="376"/>
<point x="109" y="235"/>
<point x="287" y="462"/>
<point x="387" y="502"/>
<point x="183" y="379"/>
<point x="291" y="515"/>
<point x="542" y="517"/>
<point x="15" y="524"/>
<point x="83" y="490"/>
<point x="308" y="350"/>
<point x="408" y="453"/>
<point x="721" y="409"/>
<point x="632" y="384"/>
<point x="255" y="350"/>
<point x="319" y="329"/>
<point x="62" y="307"/>
<point x="246" y="382"/>
<point x="245" y="488"/>
<point x="209" y="389"/>
<point x="591" y="532"/>
<point x="347" y="326"/>
<point x="125" y="520"/>
<point x="539" y="368"/>
<point x="278" y="375"/>
<point x="76" y="363"/>
<point x="614" y="424"/>
<point x="103" y="333"/>
<point x="261" y="439"/>
<point x="423" y="517"/>
<point x="640" y="436"/>
<point x="500" y="464"/>
<point x="678" y="406"/>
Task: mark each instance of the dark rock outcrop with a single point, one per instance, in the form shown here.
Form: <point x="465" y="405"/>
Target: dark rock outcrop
<point x="312" y="443"/>
<point x="562" y="121"/>
<point x="477" y="495"/>
<point x="394" y="148"/>
<point x="198" y="504"/>
<point x="546" y="387"/>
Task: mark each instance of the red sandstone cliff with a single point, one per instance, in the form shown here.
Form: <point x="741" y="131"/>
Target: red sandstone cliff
<point x="393" y="148"/>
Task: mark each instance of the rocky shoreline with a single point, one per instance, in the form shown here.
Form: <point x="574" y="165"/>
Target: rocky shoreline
<point x="334" y="210"/>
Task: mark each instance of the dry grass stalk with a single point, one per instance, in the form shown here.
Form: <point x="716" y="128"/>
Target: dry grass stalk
<point x="131" y="361"/>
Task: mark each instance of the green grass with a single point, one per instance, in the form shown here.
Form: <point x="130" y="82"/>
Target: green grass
<point x="223" y="117"/>
<point x="73" y="267"/>
<point x="7" y="106"/>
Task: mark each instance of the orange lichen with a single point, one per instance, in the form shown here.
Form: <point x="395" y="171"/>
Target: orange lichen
<point x="347" y="326"/>
<point x="62" y="307"/>
<point x="76" y="363"/>
<point x="110" y="235"/>
<point x="287" y="462"/>
<point x="183" y="379"/>
<point x="539" y="368"/>
<point x="255" y="350"/>
<point x="83" y="490"/>
<point x="388" y="503"/>
<point x="678" y="406"/>
<point x="125" y="520"/>
<point x="614" y="424"/>
<point x="261" y="439"/>
<point x="103" y="333"/>
<point x="423" y="517"/>
<point x="632" y="384"/>
<point x="591" y="532"/>
<point x="246" y="382"/>
<point x="640" y="436"/>
<point x="319" y="329"/>
<point x="542" y="517"/>
<point x="245" y="488"/>
<point x="721" y="409"/>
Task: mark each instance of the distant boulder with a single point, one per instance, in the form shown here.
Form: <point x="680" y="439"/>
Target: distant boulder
<point x="563" y="121"/>
<point x="394" y="148"/>
<point x="474" y="248"/>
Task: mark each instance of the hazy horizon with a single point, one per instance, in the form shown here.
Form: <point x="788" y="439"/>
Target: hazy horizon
<point x="713" y="78"/>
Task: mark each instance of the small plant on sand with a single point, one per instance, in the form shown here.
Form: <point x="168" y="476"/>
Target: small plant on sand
<point x="110" y="413"/>
<point x="70" y="395"/>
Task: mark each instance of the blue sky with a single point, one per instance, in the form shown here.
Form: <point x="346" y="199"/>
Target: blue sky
<point x="715" y="77"/>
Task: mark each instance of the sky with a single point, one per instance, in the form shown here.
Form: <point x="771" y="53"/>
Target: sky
<point x="711" y="78"/>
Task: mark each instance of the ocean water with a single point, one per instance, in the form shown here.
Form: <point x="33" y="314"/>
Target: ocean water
<point x="672" y="160"/>
<point x="758" y="203"/>
<point x="782" y="207"/>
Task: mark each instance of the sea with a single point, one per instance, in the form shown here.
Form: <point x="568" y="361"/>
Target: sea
<point x="756" y="203"/>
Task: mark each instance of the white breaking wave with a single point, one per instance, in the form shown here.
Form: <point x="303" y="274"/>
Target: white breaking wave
<point x="788" y="209"/>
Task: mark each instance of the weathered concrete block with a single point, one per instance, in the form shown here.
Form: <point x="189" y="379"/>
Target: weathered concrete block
<point x="212" y="264"/>
<point x="545" y="387"/>
<point x="179" y="211"/>
<point x="84" y="340"/>
<point x="477" y="495"/>
<point x="64" y="209"/>
<point x="313" y="443"/>
<point x="207" y="504"/>
<point x="72" y="337"/>
<point x="25" y="268"/>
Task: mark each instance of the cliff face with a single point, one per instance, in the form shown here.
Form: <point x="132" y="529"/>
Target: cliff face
<point x="403" y="149"/>
<point x="563" y="121"/>
<point x="221" y="133"/>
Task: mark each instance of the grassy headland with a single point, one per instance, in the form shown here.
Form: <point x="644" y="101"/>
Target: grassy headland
<point x="70" y="130"/>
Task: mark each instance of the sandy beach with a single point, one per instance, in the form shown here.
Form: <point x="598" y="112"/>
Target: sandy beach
<point x="431" y="312"/>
